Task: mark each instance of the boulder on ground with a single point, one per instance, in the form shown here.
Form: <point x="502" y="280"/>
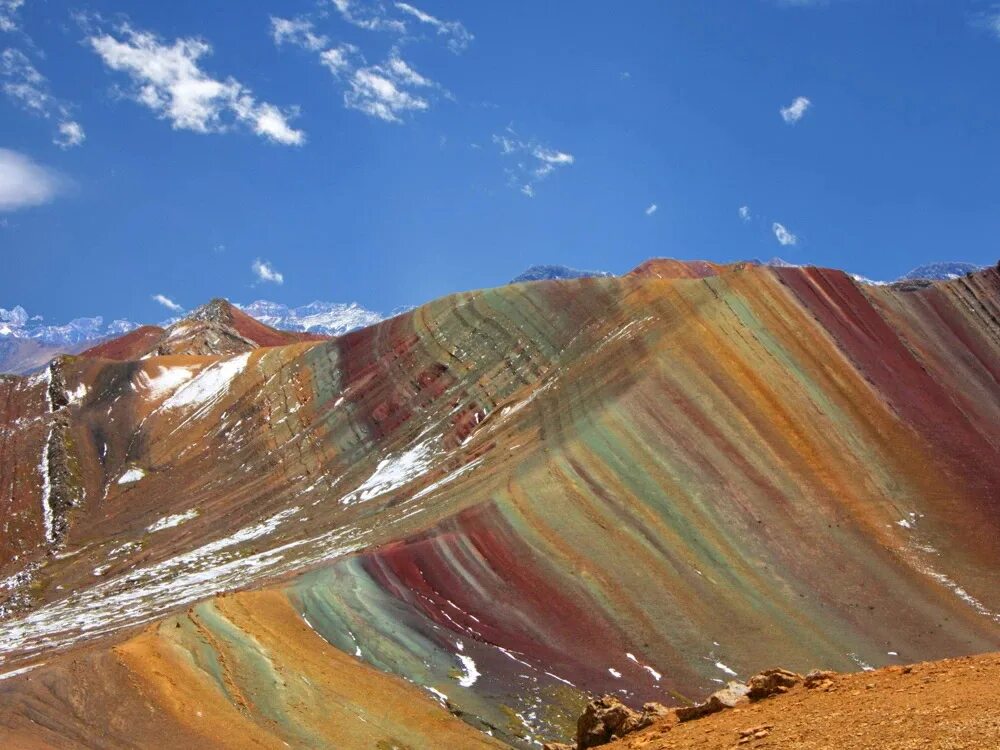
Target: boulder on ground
<point x="771" y="682"/>
<point x="607" y="718"/>
<point x="729" y="696"/>
<point x="819" y="679"/>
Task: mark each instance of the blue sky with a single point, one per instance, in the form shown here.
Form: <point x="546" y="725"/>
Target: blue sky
<point x="388" y="153"/>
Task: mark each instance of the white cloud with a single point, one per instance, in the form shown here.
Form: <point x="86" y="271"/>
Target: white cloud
<point x="387" y="91"/>
<point x="794" y="111"/>
<point x="457" y="35"/>
<point x="168" y="80"/>
<point x="651" y="209"/>
<point x="265" y="272"/>
<point x="28" y="88"/>
<point x="373" y="16"/>
<point x="745" y="213"/>
<point x="297" y="31"/>
<point x="341" y="59"/>
<point x="167" y="302"/>
<point x="8" y="14"/>
<point x="70" y="134"/>
<point x="381" y="93"/>
<point x="23" y="183"/>
<point x="533" y="162"/>
<point x="783" y="236"/>
<point x="376" y="15"/>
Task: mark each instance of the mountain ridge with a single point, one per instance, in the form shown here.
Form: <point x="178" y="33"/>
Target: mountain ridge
<point x="691" y="470"/>
<point x="17" y="327"/>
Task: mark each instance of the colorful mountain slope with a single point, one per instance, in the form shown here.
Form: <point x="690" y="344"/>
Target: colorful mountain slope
<point x="510" y="498"/>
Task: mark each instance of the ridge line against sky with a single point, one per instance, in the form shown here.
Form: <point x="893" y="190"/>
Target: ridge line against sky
<point x="366" y="141"/>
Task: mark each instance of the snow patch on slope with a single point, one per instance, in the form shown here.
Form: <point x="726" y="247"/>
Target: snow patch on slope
<point x="132" y="475"/>
<point x="48" y="517"/>
<point x="394" y="471"/>
<point x="165" y="381"/>
<point x="168" y="522"/>
<point x="209" y="385"/>
<point x="469" y="671"/>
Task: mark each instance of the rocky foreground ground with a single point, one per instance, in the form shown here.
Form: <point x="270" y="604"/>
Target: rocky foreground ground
<point x="948" y="705"/>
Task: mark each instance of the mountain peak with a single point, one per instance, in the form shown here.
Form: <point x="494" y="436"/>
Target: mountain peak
<point x="217" y="310"/>
<point x="220" y="327"/>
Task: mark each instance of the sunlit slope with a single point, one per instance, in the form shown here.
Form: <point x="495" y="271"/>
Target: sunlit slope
<point x="517" y="496"/>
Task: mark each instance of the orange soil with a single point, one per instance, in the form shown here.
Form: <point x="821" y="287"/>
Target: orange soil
<point x="946" y="705"/>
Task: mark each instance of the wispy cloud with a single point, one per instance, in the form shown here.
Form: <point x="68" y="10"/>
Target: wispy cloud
<point x="387" y="91"/>
<point x="651" y="209"/>
<point x="783" y="236"/>
<point x="167" y="302"/>
<point x="371" y="16"/>
<point x="265" y="272"/>
<point x="298" y="31"/>
<point x="795" y="111"/>
<point x="745" y="214"/>
<point x="168" y="79"/>
<point x="988" y="20"/>
<point x="532" y="161"/>
<point x="397" y="17"/>
<point x="8" y="14"/>
<point x="458" y="37"/>
<point x="27" y="88"/>
<point x="23" y="183"/>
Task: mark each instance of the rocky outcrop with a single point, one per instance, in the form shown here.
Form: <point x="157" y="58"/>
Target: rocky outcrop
<point x="607" y="718"/>
<point x="729" y="696"/>
<point x="56" y="466"/>
<point x="59" y="493"/>
<point x="819" y="679"/>
<point x="771" y="682"/>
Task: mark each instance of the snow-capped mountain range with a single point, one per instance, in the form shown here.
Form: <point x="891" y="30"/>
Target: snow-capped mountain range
<point x="28" y="342"/>
<point x="940" y="271"/>
<point x="326" y="318"/>
<point x="16" y="323"/>
<point x="929" y="272"/>
<point x="549" y="272"/>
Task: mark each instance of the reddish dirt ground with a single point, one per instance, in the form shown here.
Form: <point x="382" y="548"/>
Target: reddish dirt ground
<point x="947" y="705"/>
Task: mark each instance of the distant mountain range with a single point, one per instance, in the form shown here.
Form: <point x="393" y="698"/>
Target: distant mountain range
<point x="548" y="273"/>
<point x="17" y="323"/>
<point x="27" y="342"/>
<point x="930" y="272"/>
<point x="940" y="271"/>
<point x="326" y="318"/>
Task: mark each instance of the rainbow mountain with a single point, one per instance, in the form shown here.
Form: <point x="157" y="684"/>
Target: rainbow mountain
<point x="448" y="529"/>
